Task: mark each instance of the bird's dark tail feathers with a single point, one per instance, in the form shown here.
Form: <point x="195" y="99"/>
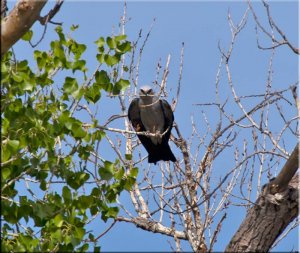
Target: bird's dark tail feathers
<point x="161" y="152"/>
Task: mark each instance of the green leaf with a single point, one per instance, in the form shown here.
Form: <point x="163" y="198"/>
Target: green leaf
<point x="28" y="35"/>
<point x="5" y="154"/>
<point x="13" y="145"/>
<point x="58" y="220"/>
<point x="76" y="48"/>
<point x="96" y="192"/>
<point x="129" y="183"/>
<point x="128" y="157"/>
<point x="41" y="60"/>
<point x="106" y="172"/>
<point x="134" y="172"/>
<point x="85" y="202"/>
<point x="118" y="38"/>
<point x="5" y="172"/>
<point x="85" y="151"/>
<point x="112" y="60"/>
<point x="87" y="138"/>
<point x="4" y="68"/>
<point x="12" y="214"/>
<point x="77" y="130"/>
<point x="43" y="185"/>
<point x="102" y="77"/>
<point x="17" y="77"/>
<point x="77" y="179"/>
<point x="70" y="85"/>
<point x="57" y="235"/>
<point x="98" y="135"/>
<point x="36" y="54"/>
<point x="111" y="212"/>
<point x="100" y="42"/>
<point x="74" y="27"/>
<point x="28" y="86"/>
<point x="111" y="42"/>
<point x="93" y="93"/>
<point x="91" y="237"/>
<point x="97" y="249"/>
<point x="60" y="34"/>
<point x="119" y="174"/>
<point x="120" y="86"/>
<point x="93" y="210"/>
<point x="100" y="58"/>
<point x="77" y="94"/>
<point x="4" y="126"/>
<point x="79" y="65"/>
<point x="83" y="248"/>
<point x="103" y="80"/>
<point x="66" y="193"/>
<point x="59" y="54"/>
<point x="124" y="47"/>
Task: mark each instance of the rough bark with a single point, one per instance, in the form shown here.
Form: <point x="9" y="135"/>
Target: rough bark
<point x="274" y="210"/>
<point x="19" y="21"/>
<point x="281" y="182"/>
<point x="3" y="8"/>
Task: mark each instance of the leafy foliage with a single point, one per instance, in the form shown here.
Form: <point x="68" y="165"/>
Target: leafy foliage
<point x="44" y="141"/>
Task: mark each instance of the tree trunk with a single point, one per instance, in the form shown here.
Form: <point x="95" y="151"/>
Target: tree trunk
<point x="276" y="207"/>
<point x="19" y="21"/>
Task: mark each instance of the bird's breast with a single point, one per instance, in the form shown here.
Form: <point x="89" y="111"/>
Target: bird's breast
<point x="153" y="119"/>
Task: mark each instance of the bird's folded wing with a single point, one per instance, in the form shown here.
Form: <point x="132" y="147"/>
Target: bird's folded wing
<point x="134" y="116"/>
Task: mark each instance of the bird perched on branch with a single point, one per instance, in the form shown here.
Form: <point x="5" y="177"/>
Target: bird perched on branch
<point x="149" y="114"/>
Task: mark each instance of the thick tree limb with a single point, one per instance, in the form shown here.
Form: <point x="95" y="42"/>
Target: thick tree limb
<point x="280" y="183"/>
<point x="3" y="8"/>
<point x="274" y="210"/>
<point x="19" y="21"/>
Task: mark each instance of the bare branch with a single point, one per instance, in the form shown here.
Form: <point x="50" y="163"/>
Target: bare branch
<point x="275" y="42"/>
<point x="153" y="226"/>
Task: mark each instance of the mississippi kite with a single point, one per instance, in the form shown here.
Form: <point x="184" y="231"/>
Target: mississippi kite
<point x="153" y="115"/>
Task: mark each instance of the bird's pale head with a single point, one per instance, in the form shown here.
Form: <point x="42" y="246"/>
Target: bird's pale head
<point x="146" y="91"/>
<point x="147" y="95"/>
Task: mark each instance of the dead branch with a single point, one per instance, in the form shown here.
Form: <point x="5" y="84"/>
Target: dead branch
<point x="153" y="226"/>
<point x="275" y="42"/>
<point x="48" y="18"/>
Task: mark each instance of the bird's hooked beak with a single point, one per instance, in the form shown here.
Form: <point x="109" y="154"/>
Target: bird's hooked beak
<point x="146" y="92"/>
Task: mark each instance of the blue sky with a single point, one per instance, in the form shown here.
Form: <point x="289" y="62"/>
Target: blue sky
<point x="200" y="25"/>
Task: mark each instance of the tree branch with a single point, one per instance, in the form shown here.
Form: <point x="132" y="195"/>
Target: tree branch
<point x="19" y="21"/>
<point x="280" y="183"/>
<point x="3" y="8"/>
<point x="154" y="227"/>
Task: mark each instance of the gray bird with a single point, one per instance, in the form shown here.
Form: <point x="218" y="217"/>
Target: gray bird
<point x="150" y="114"/>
